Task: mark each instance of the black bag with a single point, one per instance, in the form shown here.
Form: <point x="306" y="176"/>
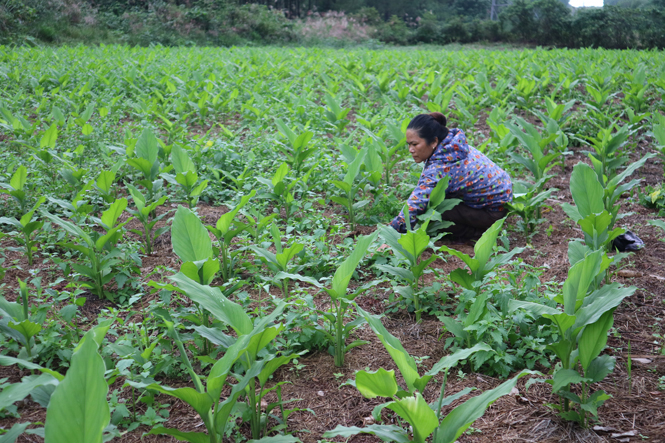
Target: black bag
<point x="629" y="241"/>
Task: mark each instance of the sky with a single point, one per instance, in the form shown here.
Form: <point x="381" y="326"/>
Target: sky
<point x="579" y="3"/>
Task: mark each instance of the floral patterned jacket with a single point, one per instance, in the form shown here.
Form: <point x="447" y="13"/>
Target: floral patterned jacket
<point x="474" y="179"/>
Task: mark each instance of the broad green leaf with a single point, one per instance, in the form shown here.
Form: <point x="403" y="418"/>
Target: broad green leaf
<point x="27" y="328"/>
<point x="49" y="138"/>
<point x="586" y="190"/>
<point x="214" y="301"/>
<point x="191" y="437"/>
<point x="224" y="222"/>
<point x="387" y="433"/>
<point x="201" y="402"/>
<point x="380" y="383"/>
<point x="344" y="272"/>
<point x="189" y="237"/>
<point x="78" y="411"/>
<point x="484" y="246"/>
<point x="418" y="414"/>
<point x="280" y="174"/>
<point x="147" y="146"/>
<point x="580" y="276"/>
<point x="15" y="432"/>
<point x="565" y="377"/>
<point x="463" y="416"/>
<point x="599" y="368"/>
<point x="18" y="391"/>
<point x="111" y="215"/>
<point x="19" y="178"/>
<point x="449" y="361"/>
<point x="594" y="338"/>
<point x="403" y="360"/>
<point x="7" y="361"/>
<point x="181" y="161"/>
<point x="414" y="243"/>
<point x="105" y="180"/>
<point x="600" y="301"/>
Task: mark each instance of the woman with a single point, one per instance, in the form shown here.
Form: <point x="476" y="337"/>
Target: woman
<point x="482" y="186"/>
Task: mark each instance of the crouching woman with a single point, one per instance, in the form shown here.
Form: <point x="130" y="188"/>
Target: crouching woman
<point x="482" y="186"/>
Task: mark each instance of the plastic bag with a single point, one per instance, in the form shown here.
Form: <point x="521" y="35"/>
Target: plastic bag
<point x="628" y="241"/>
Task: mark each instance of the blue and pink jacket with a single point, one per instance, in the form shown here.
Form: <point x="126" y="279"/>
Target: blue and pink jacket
<point x="474" y="179"/>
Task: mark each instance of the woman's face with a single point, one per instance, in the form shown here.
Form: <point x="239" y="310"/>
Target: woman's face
<point x="418" y="147"/>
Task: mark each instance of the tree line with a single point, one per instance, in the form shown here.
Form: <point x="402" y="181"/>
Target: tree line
<point x="620" y="24"/>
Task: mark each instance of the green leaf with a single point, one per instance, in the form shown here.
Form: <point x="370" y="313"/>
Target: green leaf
<point x="414" y="243"/>
<point x="463" y="416"/>
<point x="484" y="246"/>
<point x="214" y="301"/>
<point x="181" y="161"/>
<point x="600" y="368"/>
<point x="417" y="412"/>
<point x="380" y="383"/>
<point x="49" y="138"/>
<point x="280" y="174"/>
<point x="224" y="222"/>
<point x="565" y="377"/>
<point x="403" y="360"/>
<point x="387" y="433"/>
<point x="15" y="432"/>
<point x="19" y="178"/>
<point x="147" y="146"/>
<point x="7" y="361"/>
<point x="344" y="272"/>
<point x="78" y="411"/>
<point x="18" y="391"/>
<point x="189" y="237"/>
<point x="586" y="190"/>
<point x="199" y="401"/>
<point x="111" y="215"/>
<point x="594" y="338"/>
<point x="580" y="276"/>
<point x="449" y="361"/>
<point x="27" y="328"/>
<point x="191" y="437"/>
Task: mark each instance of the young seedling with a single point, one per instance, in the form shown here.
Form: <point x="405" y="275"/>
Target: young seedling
<point x="278" y="263"/>
<point x="98" y="248"/>
<point x="279" y="191"/>
<point x="248" y="350"/>
<point x="144" y="213"/>
<point x="299" y="151"/>
<point x="583" y="322"/>
<point x="350" y="188"/>
<point x="186" y="176"/>
<point x="482" y="262"/>
<point x="226" y="229"/>
<point x="16" y="188"/>
<point x="335" y="113"/>
<point x="339" y="332"/>
<point x="146" y="161"/>
<point x="27" y="229"/>
<point x="419" y="418"/>
<point x="410" y="247"/>
<point x="191" y="243"/>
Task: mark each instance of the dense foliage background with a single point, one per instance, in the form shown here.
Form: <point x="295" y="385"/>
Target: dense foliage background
<point x="620" y="24"/>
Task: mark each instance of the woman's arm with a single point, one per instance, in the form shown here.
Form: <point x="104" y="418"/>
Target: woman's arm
<point x="419" y="198"/>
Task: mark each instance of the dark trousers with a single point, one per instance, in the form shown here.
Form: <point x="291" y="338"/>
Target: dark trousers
<point x="470" y="223"/>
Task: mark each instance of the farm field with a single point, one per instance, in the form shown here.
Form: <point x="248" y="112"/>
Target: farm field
<point x="190" y="247"/>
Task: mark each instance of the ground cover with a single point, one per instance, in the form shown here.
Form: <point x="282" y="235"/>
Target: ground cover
<point x="142" y="179"/>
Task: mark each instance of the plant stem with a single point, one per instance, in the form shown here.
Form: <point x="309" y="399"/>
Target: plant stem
<point x="339" y="335"/>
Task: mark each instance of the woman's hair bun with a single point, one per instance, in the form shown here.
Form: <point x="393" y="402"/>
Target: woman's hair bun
<point x="439" y="118"/>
